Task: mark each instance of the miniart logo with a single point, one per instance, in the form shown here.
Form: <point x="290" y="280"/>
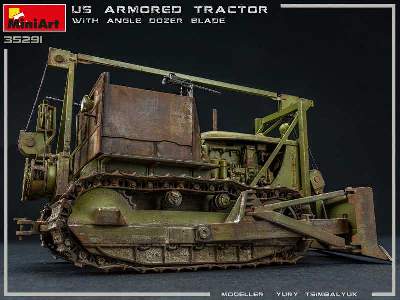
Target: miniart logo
<point x="34" y="17"/>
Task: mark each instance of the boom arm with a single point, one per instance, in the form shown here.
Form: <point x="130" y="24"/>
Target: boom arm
<point x="88" y="59"/>
<point x="66" y="60"/>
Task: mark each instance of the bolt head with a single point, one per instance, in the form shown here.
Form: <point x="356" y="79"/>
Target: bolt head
<point x="203" y="232"/>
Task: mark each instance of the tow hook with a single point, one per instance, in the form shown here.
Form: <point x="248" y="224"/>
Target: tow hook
<point x="28" y="227"/>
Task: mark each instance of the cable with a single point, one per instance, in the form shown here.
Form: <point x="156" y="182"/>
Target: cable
<point x="59" y="100"/>
<point x="313" y="160"/>
<point x="37" y="97"/>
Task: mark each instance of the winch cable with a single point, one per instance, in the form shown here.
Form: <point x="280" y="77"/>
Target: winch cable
<point x="59" y="100"/>
<point x="37" y="97"/>
<point x="313" y="160"/>
<point x="45" y="131"/>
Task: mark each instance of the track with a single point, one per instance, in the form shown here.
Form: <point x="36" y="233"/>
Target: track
<point x="62" y="242"/>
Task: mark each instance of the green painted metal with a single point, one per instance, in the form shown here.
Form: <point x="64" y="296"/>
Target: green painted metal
<point x="37" y="143"/>
<point x="89" y="59"/>
<point x="86" y="205"/>
<point x="303" y="148"/>
<point x="51" y="177"/>
<point x="262" y="122"/>
<point x="288" y="106"/>
<point x="275" y="152"/>
<point x="31" y="143"/>
<point x="237" y="136"/>
<point x="47" y="122"/>
<point x="269" y="129"/>
<point x="304" y="200"/>
<point x="302" y="227"/>
<point x="64" y="138"/>
<point x="340" y="209"/>
<point x="335" y="200"/>
<point x="288" y="100"/>
<point x="289" y="173"/>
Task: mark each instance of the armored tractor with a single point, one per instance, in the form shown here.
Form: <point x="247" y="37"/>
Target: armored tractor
<point x="140" y="188"/>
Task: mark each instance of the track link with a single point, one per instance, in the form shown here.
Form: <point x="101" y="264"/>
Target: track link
<point x="62" y="243"/>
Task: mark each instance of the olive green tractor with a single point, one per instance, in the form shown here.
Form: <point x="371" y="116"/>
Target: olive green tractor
<point x="140" y="188"/>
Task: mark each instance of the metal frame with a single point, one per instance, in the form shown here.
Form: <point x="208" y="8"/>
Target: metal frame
<point x="296" y="108"/>
<point x="287" y="107"/>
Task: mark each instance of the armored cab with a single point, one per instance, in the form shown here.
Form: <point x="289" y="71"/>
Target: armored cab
<point x="141" y="189"/>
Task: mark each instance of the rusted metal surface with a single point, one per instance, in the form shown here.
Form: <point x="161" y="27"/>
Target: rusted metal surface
<point x="163" y="121"/>
<point x="214" y="119"/>
<point x="28" y="227"/>
<point x="362" y="200"/>
<point x="63" y="174"/>
<point x="130" y="121"/>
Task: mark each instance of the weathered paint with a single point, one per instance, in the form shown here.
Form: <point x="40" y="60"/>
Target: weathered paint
<point x="136" y="148"/>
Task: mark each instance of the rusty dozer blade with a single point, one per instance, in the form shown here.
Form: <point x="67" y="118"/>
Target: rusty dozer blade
<point x="357" y="235"/>
<point x="359" y="209"/>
